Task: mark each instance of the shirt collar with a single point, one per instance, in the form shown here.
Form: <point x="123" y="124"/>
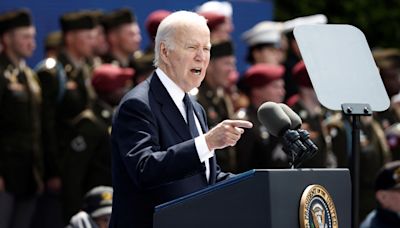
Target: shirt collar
<point x="173" y="89"/>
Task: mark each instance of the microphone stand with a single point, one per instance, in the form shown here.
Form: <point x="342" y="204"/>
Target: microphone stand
<point x="355" y="111"/>
<point x="293" y="147"/>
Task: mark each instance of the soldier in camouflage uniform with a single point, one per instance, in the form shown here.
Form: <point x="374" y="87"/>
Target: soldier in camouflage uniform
<point x="216" y="102"/>
<point x="257" y="148"/>
<point x="21" y="165"/>
<point x="78" y="147"/>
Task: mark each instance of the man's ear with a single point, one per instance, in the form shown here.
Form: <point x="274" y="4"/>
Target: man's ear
<point x="382" y="197"/>
<point x="6" y="38"/>
<point x="164" y="52"/>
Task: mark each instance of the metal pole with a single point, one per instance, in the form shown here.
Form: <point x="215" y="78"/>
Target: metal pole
<point x="355" y="169"/>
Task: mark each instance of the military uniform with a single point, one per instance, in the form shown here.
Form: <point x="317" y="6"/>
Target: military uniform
<point x="216" y="102"/>
<point x="21" y="163"/>
<point x="72" y="137"/>
<point x="65" y="95"/>
<point x="257" y="148"/>
<point x="218" y="108"/>
<point x="70" y="154"/>
<point x="374" y="153"/>
<point x="87" y="161"/>
<point x="110" y="83"/>
<point x="317" y="134"/>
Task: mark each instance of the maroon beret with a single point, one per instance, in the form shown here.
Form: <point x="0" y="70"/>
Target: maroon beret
<point x="262" y="74"/>
<point x="300" y="75"/>
<point x="108" y="78"/>
<point x="213" y="20"/>
<point x="153" y="21"/>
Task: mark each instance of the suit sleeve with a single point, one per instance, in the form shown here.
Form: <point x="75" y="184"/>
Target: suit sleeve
<point x="135" y="138"/>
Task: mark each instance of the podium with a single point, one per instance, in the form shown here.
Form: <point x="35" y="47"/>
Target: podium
<point x="260" y="198"/>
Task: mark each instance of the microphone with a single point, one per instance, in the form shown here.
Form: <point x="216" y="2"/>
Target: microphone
<point x="294" y="118"/>
<point x="273" y="118"/>
<point x="278" y="124"/>
<point x="296" y="121"/>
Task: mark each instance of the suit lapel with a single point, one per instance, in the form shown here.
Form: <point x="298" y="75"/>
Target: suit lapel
<point x="169" y="108"/>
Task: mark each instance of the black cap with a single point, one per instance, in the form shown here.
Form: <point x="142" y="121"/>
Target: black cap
<point x="118" y="18"/>
<point x="98" y="201"/>
<point x="14" y="19"/>
<point x="53" y="40"/>
<point x="98" y="15"/>
<point x="222" y="49"/>
<point x="77" y="20"/>
<point x="388" y="177"/>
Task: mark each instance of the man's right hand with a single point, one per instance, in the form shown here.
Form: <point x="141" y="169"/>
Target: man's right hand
<point x="226" y="133"/>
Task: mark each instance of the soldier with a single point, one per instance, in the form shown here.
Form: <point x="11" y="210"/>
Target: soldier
<point x="311" y="112"/>
<point x="123" y="36"/>
<point x="144" y="62"/>
<point x="219" y="16"/>
<point x="264" y="43"/>
<point x="52" y="44"/>
<point x="216" y="102"/>
<point x="257" y="148"/>
<point x="77" y="146"/>
<point x="110" y="83"/>
<point x="388" y="62"/>
<point x="387" y="195"/>
<point x="96" y="209"/>
<point x="100" y="44"/>
<point x="21" y="165"/>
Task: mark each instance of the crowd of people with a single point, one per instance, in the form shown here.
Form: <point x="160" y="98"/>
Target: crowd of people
<point x="56" y="118"/>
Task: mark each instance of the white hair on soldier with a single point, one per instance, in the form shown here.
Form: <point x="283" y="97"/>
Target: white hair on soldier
<point x="171" y="25"/>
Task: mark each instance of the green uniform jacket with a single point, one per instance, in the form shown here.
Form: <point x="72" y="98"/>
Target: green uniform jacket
<point x="21" y="164"/>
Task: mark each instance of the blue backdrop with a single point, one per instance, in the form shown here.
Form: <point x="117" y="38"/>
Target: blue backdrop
<point x="46" y="13"/>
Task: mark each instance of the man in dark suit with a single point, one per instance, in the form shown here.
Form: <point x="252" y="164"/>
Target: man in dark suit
<point x="159" y="152"/>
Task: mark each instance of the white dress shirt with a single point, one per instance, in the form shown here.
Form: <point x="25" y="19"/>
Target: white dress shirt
<point x="177" y="95"/>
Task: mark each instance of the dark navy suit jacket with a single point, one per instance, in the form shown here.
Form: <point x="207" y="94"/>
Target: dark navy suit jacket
<point x="154" y="157"/>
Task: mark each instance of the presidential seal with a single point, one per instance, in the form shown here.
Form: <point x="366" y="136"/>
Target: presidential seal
<point x="317" y="209"/>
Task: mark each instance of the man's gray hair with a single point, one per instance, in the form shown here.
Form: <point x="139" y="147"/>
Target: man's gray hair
<point x="169" y="27"/>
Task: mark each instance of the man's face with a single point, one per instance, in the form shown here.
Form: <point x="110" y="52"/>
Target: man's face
<point x="187" y="61"/>
<point x="83" y="41"/>
<point x="390" y="199"/>
<point x="22" y="41"/>
<point x="270" y="55"/>
<point x="101" y="45"/>
<point x="274" y="91"/>
<point x="129" y="38"/>
<point x="223" y="31"/>
<point x="220" y="69"/>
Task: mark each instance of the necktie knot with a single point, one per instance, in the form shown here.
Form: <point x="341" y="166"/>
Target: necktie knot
<point x="189" y="116"/>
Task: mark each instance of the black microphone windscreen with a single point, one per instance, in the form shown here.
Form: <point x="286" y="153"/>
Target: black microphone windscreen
<point x="294" y="118"/>
<point x="273" y="118"/>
